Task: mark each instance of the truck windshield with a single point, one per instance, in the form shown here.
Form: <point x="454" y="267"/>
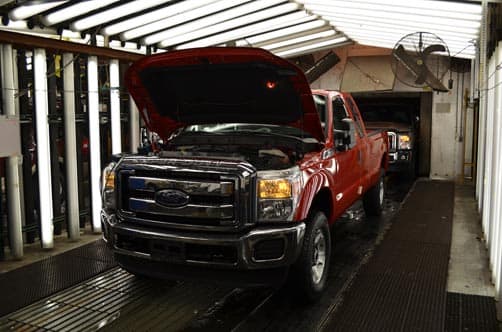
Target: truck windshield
<point x="218" y="128"/>
<point x="385" y="113"/>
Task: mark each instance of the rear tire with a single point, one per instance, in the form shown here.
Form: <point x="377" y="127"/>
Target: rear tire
<point x="373" y="199"/>
<point x="310" y="271"/>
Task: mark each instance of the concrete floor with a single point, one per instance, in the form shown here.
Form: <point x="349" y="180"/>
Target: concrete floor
<point x="468" y="271"/>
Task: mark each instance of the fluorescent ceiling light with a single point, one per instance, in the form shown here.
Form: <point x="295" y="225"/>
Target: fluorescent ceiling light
<point x="330" y="11"/>
<point x="27" y="11"/>
<point x="317" y="46"/>
<point x="282" y="32"/>
<point x="114" y="13"/>
<point x="396" y="38"/>
<point x="424" y="4"/>
<point x="177" y="19"/>
<point x="362" y="22"/>
<point x="272" y="24"/>
<point x="399" y="33"/>
<point x="182" y="33"/>
<point x="153" y="16"/>
<point x="389" y="45"/>
<point x="398" y="7"/>
<point x="211" y="24"/>
<point x="298" y="40"/>
<point x="75" y="10"/>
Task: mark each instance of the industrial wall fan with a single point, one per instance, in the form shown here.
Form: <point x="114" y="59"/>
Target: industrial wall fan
<point x="421" y="59"/>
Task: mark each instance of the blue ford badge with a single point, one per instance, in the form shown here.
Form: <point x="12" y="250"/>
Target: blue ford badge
<point x="171" y="198"/>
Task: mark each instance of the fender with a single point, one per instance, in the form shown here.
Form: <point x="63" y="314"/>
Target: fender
<point x="314" y="184"/>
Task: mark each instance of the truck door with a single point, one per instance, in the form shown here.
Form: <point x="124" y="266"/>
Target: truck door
<point x="365" y="154"/>
<point x="349" y="160"/>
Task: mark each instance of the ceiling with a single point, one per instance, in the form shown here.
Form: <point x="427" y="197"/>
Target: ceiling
<point x="288" y="28"/>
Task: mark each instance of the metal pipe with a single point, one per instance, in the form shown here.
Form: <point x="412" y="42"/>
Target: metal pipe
<point x="133" y="125"/>
<point x="43" y="148"/>
<point x="12" y="166"/>
<point x="70" y="132"/>
<point x="94" y="141"/>
<point x="115" y="106"/>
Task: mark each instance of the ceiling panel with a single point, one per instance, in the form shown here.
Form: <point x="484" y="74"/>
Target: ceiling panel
<point x="286" y="27"/>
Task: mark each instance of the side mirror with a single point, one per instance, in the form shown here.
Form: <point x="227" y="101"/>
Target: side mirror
<point x="345" y="138"/>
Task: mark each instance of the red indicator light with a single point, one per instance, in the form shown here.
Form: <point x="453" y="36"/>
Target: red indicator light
<point x="271" y="85"/>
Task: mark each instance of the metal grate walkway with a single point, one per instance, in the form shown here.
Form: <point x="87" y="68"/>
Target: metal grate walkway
<point x="33" y="282"/>
<point x="403" y="286"/>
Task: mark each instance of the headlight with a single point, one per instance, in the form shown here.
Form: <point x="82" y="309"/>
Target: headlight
<point x="278" y="188"/>
<point x="108" y="186"/>
<point x="404" y="142"/>
<point x="278" y="194"/>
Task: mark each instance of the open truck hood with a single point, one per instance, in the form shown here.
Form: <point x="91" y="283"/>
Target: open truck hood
<point x="221" y="85"/>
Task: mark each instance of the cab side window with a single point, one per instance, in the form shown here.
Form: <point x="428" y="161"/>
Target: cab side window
<point x="339" y="113"/>
<point x="320" y="104"/>
<point x="357" y="118"/>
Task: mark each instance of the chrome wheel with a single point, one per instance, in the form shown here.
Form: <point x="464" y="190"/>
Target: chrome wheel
<point x="318" y="256"/>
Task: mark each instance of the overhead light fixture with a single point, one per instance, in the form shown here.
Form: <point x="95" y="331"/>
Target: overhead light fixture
<point x="382" y="43"/>
<point x="398" y="7"/>
<point x="114" y="13"/>
<point x="313" y="47"/>
<point x="361" y="22"/>
<point x="75" y="10"/>
<point x="424" y="4"/>
<point x="211" y="25"/>
<point x="153" y="16"/>
<point x="27" y="11"/>
<point x="396" y="37"/>
<point x="281" y="33"/>
<point x="272" y="24"/>
<point x="94" y="141"/>
<point x="399" y="33"/>
<point x="180" y="18"/>
<point x="391" y="16"/>
<point x="297" y="40"/>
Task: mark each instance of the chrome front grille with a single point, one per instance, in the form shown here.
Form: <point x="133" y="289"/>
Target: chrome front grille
<point x="392" y="140"/>
<point x="218" y="195"/>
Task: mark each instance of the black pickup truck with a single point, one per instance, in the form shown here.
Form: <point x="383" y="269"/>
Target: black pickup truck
<point x="400" y="122"/>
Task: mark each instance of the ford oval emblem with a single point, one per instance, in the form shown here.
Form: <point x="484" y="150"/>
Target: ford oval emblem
<point x="171" y="198"/>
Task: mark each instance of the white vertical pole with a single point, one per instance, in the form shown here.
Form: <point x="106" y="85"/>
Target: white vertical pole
<point x="115" y="106"/>
<point x="133" y="125"/>
<point x="43" y="148"/>
<point x="70" y="148"/>
<point x="489" y="97"/>
<point x="496" y="175"/>
<point x="13" y="175"/>
<point x="482" y="79"/>
<point x="94" y="140"/>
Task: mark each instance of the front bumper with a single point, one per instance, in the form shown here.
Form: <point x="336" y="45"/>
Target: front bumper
<point x="400" y="160"/>
<point x="265" y="247"/>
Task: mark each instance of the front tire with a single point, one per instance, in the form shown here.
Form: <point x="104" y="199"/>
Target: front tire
<point x="311" y="269"/>
<point x="373" y="199"/>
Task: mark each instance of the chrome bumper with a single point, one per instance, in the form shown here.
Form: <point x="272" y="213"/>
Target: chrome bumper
<point x="176" y="247"/>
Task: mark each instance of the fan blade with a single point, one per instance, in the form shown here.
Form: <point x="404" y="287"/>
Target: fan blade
<point x="424" y="55"/>
<point x="418" y="70"/>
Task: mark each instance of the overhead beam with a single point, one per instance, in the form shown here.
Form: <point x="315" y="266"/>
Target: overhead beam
<point x="30" y="42"/>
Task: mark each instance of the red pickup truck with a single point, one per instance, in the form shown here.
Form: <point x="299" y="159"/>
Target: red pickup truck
<point x="254" y="169"/>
